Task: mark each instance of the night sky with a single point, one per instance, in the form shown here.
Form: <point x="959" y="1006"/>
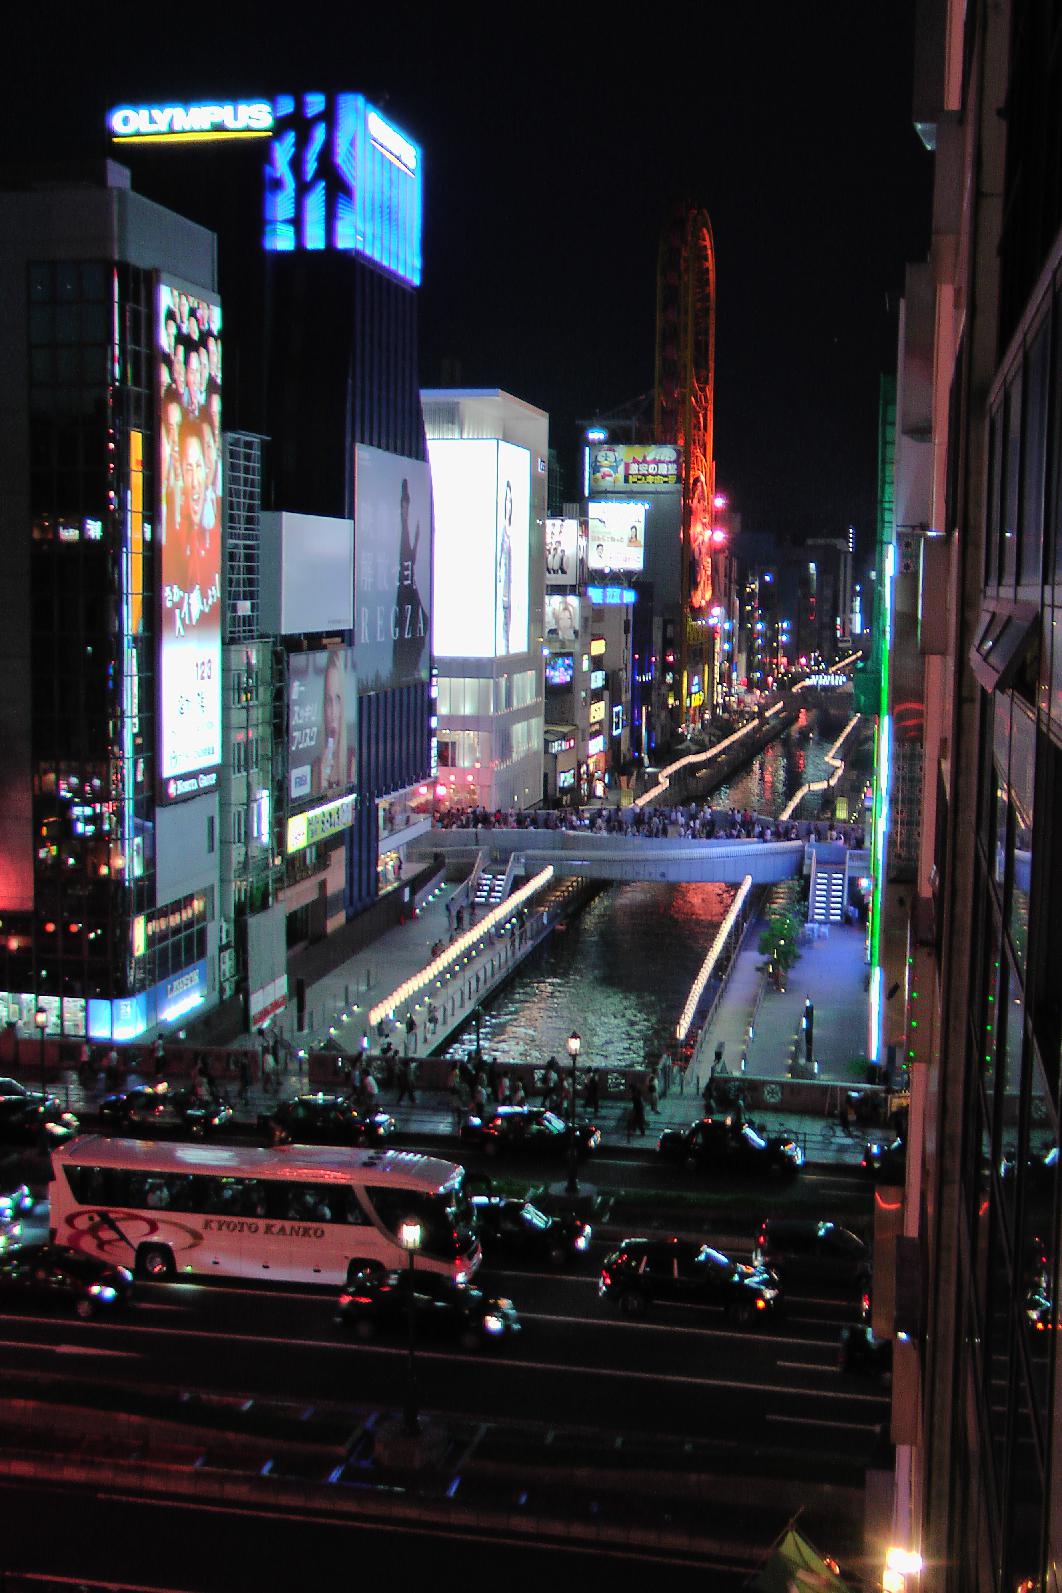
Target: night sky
<point x="554" y="150"/>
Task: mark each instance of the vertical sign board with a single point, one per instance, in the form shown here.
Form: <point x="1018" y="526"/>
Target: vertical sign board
<point x="189" y="521"/>
<point x="392" y="569"/>
<point x="482" y="493"/>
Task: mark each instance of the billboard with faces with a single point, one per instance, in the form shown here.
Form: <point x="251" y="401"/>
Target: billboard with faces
<point x="616" y="535"/>
<point x="482" y="494"/>
<point x="189" y="517"/>
<point x="322" y="725"/>
<point x="562" y="552"/>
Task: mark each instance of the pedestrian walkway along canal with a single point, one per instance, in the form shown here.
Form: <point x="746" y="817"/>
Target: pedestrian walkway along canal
<point x="622" y="970"/>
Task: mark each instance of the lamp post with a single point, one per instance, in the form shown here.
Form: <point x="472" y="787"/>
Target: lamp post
<point x="40" y="1018"/>
<point x="410" y="1235"/>
<point x="574" y="1047"/>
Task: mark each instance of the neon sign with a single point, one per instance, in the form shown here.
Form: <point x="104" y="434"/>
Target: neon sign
<point x="137" y="124"/>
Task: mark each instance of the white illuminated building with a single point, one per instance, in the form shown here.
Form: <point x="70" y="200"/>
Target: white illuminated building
<point x="488" y="452"/>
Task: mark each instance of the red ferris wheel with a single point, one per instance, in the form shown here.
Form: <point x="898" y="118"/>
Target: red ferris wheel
<point x="685" y="395"/>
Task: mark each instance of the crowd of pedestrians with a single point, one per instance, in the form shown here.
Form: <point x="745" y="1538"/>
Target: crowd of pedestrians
<point x="695" y="821"/>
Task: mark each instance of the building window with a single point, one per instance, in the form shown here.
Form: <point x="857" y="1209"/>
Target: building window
<point x="210" y="834"/>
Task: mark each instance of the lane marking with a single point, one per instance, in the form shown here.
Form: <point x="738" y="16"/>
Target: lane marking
<point x="485" y="1359"/>
<point x="816" y="1421"/>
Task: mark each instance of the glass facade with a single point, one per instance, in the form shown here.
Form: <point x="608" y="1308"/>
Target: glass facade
<point x="91" y="482"/>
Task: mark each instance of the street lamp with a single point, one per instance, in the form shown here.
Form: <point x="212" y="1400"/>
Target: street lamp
<point x="410" y="1235"/>
<point x="574" y="1047"/>
<point x="40" y="1018"/>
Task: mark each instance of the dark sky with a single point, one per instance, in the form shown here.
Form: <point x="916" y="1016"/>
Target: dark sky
<point x="555" y="144"/>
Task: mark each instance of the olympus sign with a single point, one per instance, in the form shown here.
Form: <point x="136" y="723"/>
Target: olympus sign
<point x="248" y="119"/>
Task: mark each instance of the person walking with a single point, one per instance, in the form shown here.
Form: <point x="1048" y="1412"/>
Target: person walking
<point x="404" y="1079"/>
<point x="245" y="1077"/>
<point x="637" y="1114"/>
<point x="411" y="1035"/>
<point x="593" y="1092"/>
<point x="652" y="1090"/>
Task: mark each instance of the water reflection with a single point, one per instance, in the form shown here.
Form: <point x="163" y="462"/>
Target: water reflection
<point x="620" y="974"/>
<point x="622" y="971"/>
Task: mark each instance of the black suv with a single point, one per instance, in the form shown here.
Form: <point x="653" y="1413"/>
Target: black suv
<point x="805" y="1252"/>
<point x="643" y="1271"/>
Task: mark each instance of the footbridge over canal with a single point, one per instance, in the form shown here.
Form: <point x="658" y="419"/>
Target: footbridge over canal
<point x="618" y="858"/>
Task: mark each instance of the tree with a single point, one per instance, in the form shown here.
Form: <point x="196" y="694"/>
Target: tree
<point x="778" y="943"/>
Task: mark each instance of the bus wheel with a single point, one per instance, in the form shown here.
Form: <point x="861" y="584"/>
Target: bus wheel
<point x="155" y="1262"/>
<point x="371" y="1270"/>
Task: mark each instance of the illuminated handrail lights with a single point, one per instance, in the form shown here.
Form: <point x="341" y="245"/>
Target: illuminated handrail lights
<point x="822" y="785"/>
<point x="460" y="947"/>
<point x="702" y="757"/>
<point x="715" y="951"/>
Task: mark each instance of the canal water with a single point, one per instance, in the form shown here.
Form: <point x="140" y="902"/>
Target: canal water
<point x="622" y="970"/>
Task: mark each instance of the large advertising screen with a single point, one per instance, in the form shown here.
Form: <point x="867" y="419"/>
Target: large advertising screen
<point x="562" y="552"/>
<point x="616" y="536"/>
<point x="482" y="494"/>
<point x="560" y="669"/>
<point x="392" y="565"/>
<point x="322" y="724"/>
<point x="190" y="517"/>
<point x="635" y="467"/>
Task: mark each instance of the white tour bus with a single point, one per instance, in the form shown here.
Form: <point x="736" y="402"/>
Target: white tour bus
<point x="297" y="1214"/>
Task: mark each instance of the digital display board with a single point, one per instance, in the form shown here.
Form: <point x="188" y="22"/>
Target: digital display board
<point x="562" y="552"/>
<point x="189" y="526"/>
<point x="392" y="569"/>
<point x="635" y="467"/>
<point x="560" y="669"/>
<point x="562" y="619"/>
<point x="616" y="535"/>
<point x="322" y="724"/>
<point x="340" y="175"/>
<point x="482" y="495"/>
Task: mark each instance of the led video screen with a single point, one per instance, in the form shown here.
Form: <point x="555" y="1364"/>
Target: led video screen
<point x="188" y="536"/>
<point x="560" y="669"/>
<point x="616" y="536"/>
<point x="392" y="564"/>
<point x="322" y="724"/>
<point x="482" y="494"/>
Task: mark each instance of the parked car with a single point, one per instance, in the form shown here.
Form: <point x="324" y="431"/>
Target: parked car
<point x="802" y="1252"/>
<point x="885" y="1160"/>
<point x="159" y="1109"/>
<point x="30" y="1120"/>
<point x="327" y="1120"/>
<point x="730" y="1144"/>
<point x="647" y="1271"/>
<point x="47" y="1274"/>
<point x="516" y="1229"/>
<point x="531" y="1129"/>
<point x="443" y="1309"/>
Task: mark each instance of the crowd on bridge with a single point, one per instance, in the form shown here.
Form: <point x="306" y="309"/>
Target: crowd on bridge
<point x="694" y="821"/>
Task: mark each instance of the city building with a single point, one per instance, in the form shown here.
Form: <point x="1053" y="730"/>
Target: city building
<point x="112" y="728"/>
<point x="489" y="462"/>
<point x="966" y="998"/>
